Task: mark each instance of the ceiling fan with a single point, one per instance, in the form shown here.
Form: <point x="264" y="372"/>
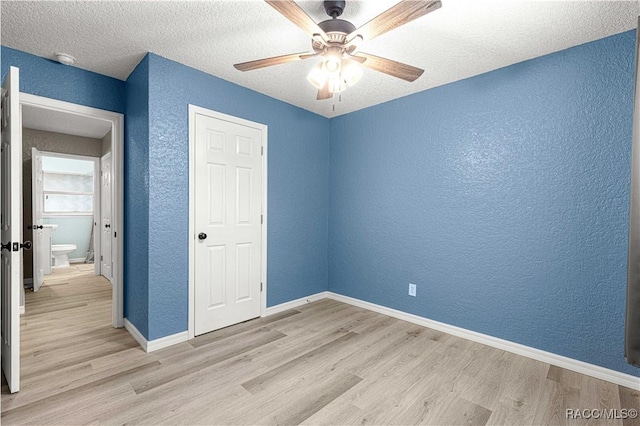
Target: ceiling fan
<point x="338" y="42"/>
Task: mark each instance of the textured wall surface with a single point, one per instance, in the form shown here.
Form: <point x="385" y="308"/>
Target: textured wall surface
<point x="136" y="198"/>
<point x="42" y="77"/>
<point x="298" y="183"/>
<point x="52" y="142"/>
<point x="504" y="197"/>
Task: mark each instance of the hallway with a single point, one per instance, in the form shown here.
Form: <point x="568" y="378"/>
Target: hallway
<point x="67" y="335"/>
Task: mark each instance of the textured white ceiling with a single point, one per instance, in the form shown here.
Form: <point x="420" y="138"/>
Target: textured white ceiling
<point x="462" y="39"/>
<point x="61" y="122"/>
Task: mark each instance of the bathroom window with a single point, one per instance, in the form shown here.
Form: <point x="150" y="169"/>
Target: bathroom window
<point x="68" y="192"/>
<point x="68" y="203"/>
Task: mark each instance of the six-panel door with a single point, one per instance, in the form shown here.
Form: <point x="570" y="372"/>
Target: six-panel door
<point x="228" y="208"/>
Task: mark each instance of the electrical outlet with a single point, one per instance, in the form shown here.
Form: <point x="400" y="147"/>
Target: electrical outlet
<point x="412" y="290"/>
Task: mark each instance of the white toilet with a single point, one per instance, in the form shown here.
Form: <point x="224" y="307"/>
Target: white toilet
<point x="60" y="254"/>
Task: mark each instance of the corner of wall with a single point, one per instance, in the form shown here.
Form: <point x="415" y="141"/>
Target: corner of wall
<point x="136" y="199"/>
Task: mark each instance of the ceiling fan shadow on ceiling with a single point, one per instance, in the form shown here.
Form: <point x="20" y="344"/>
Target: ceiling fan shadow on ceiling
<point x="338" y="42"/>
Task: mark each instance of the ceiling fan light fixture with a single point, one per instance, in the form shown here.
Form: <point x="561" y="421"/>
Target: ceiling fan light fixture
<point x="333" y="61"/>
<point x="332" y="65"/>
<point x="317" y="76"/>
<point x="351" y="72"/>
<point x="338" y="41"/>
<point x="336" y="84"/>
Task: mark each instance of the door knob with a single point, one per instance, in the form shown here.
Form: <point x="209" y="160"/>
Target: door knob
<point x="202" y="236"/>
<point x="16" y="246"/>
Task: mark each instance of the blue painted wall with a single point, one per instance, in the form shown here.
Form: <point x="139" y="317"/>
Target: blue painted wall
<point x="504" y="197"/>
<point x="136" y="198"/>
<point x="43" y="77"/>
<point x="298" y="158"/>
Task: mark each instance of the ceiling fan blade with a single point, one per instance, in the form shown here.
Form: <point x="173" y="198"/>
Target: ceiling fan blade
<point x="393" y="68"/>
<point x="267" y="62"/>
<point x="324" y="93"/>
<point x="400" y="14"/>
<point x="359" y="59"/>
<point x="290" y="10"/>
<point x="309" y="55"/>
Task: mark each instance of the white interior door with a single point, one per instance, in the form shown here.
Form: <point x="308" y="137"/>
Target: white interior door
<point x="11" y="224"/>
<point x="228" y="209"/>
<point x="105" y="211"/>
<point x="40" y="252"/>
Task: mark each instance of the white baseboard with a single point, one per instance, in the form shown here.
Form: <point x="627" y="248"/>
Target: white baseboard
<point x="22" y="310"/>
<point x="133" y="331"/>
<point x="77" y="260"/>
<point x="295" y="303"/>
<point x="154" y="345"/>
<point x="166" y="341"/>
<point x="582" y="367"/>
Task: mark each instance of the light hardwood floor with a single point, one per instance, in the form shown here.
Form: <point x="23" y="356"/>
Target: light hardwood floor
<point x="323" y="363"/>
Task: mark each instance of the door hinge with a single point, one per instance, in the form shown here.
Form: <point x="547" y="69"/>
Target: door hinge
<point x="260" y="287"/>
<point x="261" y="219"/>
<point x="101" y="258"/>
<point x="262" y="150"/>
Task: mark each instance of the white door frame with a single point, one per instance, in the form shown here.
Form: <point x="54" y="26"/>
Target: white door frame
<point x="106" y="158"/>
<point x="193" y="110"/>
<point x="96" y="201"/>
<point x="117" y="170"/>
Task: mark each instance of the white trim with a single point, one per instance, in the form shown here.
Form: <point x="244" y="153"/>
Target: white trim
<point x="295" y="303"/>
<point x="193" y="110"/>
<point x="117" y="170"/>
<point x="22" y="310"/>
<point x="106" y="158"/>
<point x="133" y="331"/>
<point x="265" y="178"/>
<point x="582" y="367"/>
<point x="167" y="341"/>
<point x="77" y="259"/>
<point x="154" y="345"/>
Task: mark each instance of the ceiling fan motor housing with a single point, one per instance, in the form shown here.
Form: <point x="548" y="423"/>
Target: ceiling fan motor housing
<point x="334" y="8"/>
<point x="337" y="31"/>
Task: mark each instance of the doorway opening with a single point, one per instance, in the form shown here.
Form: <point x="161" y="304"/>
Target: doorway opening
<point x="65" y="206"/>
<point x="78" y="204"/>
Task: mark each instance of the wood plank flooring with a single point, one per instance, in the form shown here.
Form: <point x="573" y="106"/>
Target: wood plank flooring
<point x="323" y="363"/>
